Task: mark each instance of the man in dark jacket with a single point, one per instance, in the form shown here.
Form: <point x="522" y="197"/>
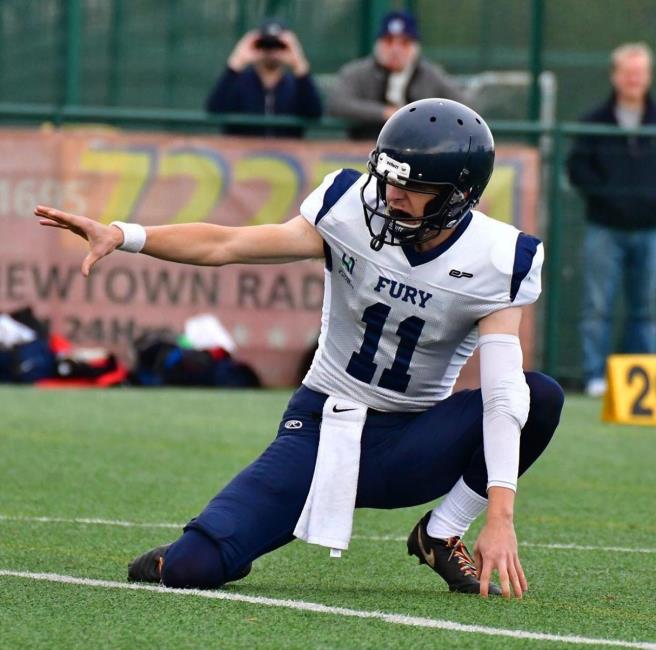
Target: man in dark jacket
<point x="617" y="177"/>
<point x="267" y="74"/>
<point x="368" y="91"/>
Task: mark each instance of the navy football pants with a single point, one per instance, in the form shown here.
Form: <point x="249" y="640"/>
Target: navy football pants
<point x="406" y="459"/>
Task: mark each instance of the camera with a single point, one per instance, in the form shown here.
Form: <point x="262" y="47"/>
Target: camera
<point x="269" y="38"/>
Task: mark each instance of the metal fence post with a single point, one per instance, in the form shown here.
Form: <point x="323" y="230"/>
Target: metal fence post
<point x="242" y="23"/>
<point x="371" y="12"/>
<point x="172" y="49"/>
<point x="273" y="7"/>
<point x="411" y="6"/>
<point x="554" y="243"/>
<point x="115" y="58"/>
<point x="73" y="34"/>
<point x="3" y="73"/>
<point x="535" y="58"/>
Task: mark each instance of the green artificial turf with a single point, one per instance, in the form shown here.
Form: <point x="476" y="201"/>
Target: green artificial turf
<point x="156" y="457"/>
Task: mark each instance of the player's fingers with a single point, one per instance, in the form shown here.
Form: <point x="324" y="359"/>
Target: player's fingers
<point x="89" y="262"/>
<point x="514" y="580"/>
<point x="41" y="210"/>
<point x="520" y="574"/>
<point x="478" y="560"/>
<point x="504" y="581"/>
<point x="486" y="572"/>
<point x="58" y="215"/>
<point x="45" y="211"/>
<point x="52" y="224"/>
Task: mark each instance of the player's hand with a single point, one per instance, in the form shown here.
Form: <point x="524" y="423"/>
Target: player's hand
<point x="102" y="239"/>
<point x="245" y="53"/>
<point x="496" y="548"/>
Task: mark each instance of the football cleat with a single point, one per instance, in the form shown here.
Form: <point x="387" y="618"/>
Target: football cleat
<point x="447" y="557"/>
<point x="148" y="567"/>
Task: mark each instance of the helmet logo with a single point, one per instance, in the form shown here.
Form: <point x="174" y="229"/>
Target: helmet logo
<point x="393" y="169"/>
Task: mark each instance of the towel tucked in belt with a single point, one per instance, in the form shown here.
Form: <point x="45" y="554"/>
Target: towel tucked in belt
<point x="327" y="517"/>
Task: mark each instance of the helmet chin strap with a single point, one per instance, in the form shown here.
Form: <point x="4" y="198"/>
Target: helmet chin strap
<point x="397" y="233"/>
<point x="378" y="241"/>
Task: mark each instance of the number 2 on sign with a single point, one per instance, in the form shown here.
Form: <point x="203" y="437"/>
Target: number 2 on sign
<point x="631" y="394"/>
<point x="639" y="374"/>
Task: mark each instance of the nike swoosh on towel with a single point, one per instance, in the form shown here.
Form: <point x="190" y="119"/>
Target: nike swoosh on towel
<point x="336" y="410"/>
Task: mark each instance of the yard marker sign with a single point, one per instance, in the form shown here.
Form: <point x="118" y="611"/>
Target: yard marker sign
<point x="631" y="394"/>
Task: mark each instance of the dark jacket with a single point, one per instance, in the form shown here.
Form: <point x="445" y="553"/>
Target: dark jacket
<point x="359" y="92"/>
<point x="616" y="174"/>
<point x="243" y="92"/>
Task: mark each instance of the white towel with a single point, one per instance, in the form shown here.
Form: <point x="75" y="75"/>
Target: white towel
<point x="206" y="331"/>
<point x="327" y="517"/>
<point x="14" y="333"/>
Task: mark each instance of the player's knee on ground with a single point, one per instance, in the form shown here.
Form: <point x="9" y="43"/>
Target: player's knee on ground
<point x="194" y="561"/>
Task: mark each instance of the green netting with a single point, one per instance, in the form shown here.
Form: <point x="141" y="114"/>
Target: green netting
<point x="566" y="356"/>
<point x="154" y="53"/>
<point x="166" y="53"/>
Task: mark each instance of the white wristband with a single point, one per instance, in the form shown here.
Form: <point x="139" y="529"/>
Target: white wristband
<point x="134" y="236"/>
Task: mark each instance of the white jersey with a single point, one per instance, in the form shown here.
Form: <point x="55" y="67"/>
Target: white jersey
<point x="398" y="325"/>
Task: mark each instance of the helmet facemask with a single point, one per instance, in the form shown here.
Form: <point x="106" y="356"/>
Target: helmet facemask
<point x="444" y="211"/>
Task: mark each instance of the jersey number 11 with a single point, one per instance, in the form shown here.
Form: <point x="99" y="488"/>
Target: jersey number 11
<point x="362" y="366"/>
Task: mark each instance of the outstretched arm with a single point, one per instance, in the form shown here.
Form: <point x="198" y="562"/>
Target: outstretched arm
<point x="505" y="408"/>
<point x="202" y="244"/>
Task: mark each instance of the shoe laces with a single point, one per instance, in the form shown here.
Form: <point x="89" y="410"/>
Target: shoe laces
<point x="460" y="552"/>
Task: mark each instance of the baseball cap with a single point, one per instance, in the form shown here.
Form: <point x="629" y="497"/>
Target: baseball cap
<point x="270" y="30"/>
<point x="399" y="23"/>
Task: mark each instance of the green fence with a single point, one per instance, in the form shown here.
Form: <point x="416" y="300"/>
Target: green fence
<point x="167" y="53"/>
<point x="155" y="53"/>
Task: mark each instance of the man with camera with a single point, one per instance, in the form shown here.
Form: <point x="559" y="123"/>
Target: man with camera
<point x="267" y="74"/>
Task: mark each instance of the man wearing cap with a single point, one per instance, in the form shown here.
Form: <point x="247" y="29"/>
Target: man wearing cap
<point x="267" y="74"/>
<point x="369" y="90"/>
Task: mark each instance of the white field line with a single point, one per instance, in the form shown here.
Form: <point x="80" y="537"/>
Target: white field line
<point x="397" y="619"/>
<point x="89" y="520"/>
<point x="568" y="547"/>
<point x="372" y="538"/>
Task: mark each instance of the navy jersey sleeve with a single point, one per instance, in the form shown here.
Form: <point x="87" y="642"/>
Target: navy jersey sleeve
<point x="317" y="205"/>
<point x="525" y="283"/>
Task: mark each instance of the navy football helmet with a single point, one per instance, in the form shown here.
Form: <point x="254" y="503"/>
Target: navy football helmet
<point x="433" y="146"/>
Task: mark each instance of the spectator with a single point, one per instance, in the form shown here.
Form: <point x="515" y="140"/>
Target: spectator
<point x="369" y="90"/>
<point x="267" y="74"/>
<point x="617" y="178"/>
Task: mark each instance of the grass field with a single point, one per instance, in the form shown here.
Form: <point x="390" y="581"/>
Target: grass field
<point x="91" y="479"/>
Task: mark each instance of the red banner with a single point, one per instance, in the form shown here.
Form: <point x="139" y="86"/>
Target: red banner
<point x="273" y="312"/>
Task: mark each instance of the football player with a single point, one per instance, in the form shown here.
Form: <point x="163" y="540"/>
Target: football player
<point x="415" y="280"/>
